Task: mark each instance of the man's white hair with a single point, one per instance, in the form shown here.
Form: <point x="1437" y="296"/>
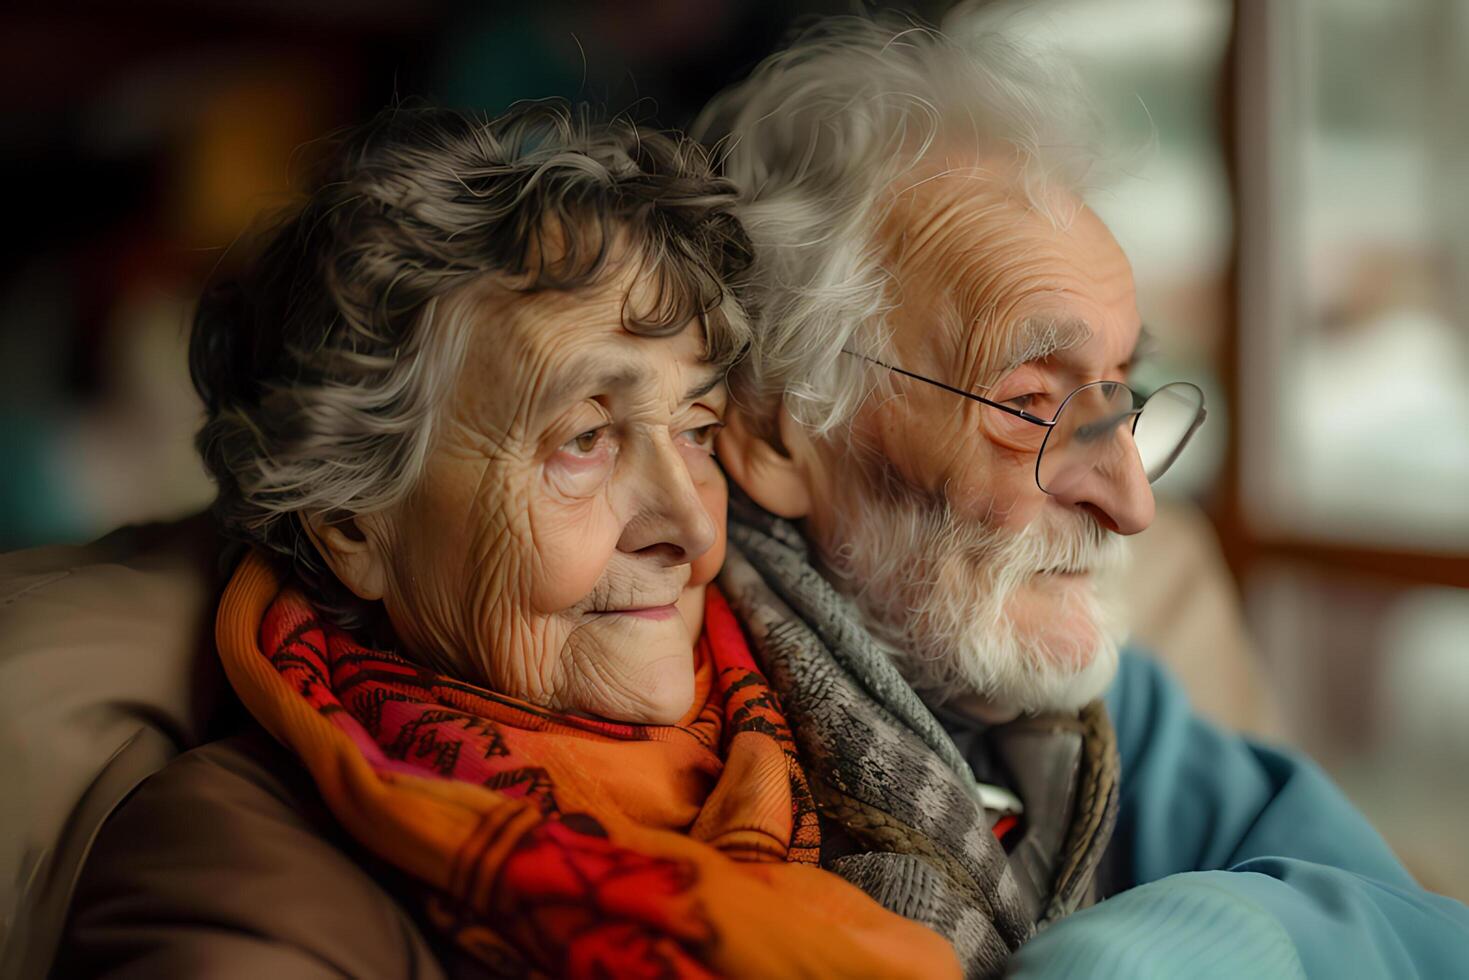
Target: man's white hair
<point x="816" y="134"/>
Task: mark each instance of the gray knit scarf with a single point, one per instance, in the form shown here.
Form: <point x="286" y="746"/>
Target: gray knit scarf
<point x="887" y="773"/>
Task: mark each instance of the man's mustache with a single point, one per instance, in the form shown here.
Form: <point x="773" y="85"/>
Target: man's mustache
<point x="1074" y="545"/>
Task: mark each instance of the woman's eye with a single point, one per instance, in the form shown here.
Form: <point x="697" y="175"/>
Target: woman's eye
<point x="584" y="462"/>
<point x="1024" y="402"/>
<point x="702" y="437"/>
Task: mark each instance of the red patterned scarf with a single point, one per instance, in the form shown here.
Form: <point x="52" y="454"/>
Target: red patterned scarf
<point x="564" y="845"/>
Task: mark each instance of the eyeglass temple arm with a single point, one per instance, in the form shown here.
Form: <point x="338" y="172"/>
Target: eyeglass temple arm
<point x="1037" y="420"/>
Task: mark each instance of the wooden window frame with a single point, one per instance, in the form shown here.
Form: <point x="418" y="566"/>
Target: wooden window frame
<point x="1259" y="148"/>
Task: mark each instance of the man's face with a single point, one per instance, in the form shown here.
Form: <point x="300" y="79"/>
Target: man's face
<point x="999" y="592"/>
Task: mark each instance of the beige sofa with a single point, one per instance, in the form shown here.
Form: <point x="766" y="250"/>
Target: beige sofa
<point x="105" y="675"/>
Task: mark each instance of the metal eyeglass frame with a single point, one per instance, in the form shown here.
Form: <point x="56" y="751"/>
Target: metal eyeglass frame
<point x="1050" y="425"/>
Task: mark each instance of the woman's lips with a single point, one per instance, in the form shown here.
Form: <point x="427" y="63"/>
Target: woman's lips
<point x="645" y="612"/>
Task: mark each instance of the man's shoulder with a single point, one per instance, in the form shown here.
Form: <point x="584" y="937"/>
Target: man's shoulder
<point x="1149" y="709"/>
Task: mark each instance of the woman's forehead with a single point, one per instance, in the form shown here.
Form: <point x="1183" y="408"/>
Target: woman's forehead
<point x="559" y="328"/>
<point x="631" y="365"/>
<point x="531" y="354"/>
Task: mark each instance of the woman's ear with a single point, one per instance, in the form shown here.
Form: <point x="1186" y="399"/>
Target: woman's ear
<point x="352" y="554"/>
<point x="769" y="474"/>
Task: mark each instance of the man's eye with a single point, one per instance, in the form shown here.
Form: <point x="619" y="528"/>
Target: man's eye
<point x="587" y="442"/>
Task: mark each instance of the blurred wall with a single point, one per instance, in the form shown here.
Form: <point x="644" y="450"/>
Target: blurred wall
<point x="141" y="140"/>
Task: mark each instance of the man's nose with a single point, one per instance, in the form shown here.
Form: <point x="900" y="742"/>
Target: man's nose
<point x="669" y="522"/>
<point x="1115" y="490"/>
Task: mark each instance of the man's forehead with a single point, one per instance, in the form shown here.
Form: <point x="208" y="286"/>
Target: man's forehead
<point x="991" y="184"/>
<point x="1004" y="283"/>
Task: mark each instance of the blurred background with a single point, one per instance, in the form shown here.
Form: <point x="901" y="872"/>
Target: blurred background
<point x="1295" y="205"/>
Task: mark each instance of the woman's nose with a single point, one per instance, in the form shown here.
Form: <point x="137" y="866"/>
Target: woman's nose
<point x="669" y="521"/>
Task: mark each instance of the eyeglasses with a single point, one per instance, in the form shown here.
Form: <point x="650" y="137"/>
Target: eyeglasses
<point x="1081" y="438"/>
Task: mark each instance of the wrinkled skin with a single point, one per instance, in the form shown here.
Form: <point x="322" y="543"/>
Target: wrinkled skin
<point x="969" y="261"/>
<point x="993" y="265"/>
<point x="571" y="483"/>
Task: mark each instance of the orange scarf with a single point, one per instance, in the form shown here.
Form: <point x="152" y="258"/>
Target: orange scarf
<point x="564" y="845"/>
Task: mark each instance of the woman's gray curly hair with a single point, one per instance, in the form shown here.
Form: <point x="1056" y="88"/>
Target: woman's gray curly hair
<point x="322" y="365"/>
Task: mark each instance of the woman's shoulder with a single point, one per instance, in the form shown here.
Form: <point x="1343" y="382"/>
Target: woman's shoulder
<point x="226" y="863"/>
<point x="247" y="776"/>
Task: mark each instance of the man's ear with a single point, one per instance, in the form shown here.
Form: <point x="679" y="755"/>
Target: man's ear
<point x="352" y="555"/>
<point x="769" y="474"/>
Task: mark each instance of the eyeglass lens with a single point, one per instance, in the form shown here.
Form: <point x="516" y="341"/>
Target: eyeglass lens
<point x="1087" y="436"/>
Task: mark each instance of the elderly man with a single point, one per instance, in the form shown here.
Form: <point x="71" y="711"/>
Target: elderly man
<point x="942" y="462"/>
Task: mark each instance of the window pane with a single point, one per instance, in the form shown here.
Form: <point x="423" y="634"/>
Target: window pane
<point x="1372" y="386"/>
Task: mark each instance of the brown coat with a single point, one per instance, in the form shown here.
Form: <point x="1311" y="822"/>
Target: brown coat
<point x="227" y="864"/>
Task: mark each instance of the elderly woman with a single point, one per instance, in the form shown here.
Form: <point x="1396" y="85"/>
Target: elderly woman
<point x="461" y="412"/>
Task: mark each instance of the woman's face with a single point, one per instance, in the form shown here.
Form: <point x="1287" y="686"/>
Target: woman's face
<point x="570" y="513"/>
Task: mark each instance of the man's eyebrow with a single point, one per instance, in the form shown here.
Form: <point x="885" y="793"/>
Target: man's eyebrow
<point x="1145" y="348"/>
<point x="1037" y="338"/>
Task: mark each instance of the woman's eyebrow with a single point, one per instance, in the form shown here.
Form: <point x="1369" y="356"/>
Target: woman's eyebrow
<point x="704" y="387"/>
<point x="589" y="375"/>
<point x="594" y="375"/>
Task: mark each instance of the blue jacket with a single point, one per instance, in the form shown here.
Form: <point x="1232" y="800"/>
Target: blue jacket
<point x="1246" y="861"/>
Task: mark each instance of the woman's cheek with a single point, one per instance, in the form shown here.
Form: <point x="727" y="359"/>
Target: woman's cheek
<point x="709" y="483"/>
<point x="572" y="544"/>
<point x="577" y="476"/>
<point x="572" y="533"/>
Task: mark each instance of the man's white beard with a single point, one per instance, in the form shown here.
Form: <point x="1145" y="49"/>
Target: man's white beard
<point x="936" y="589"/>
